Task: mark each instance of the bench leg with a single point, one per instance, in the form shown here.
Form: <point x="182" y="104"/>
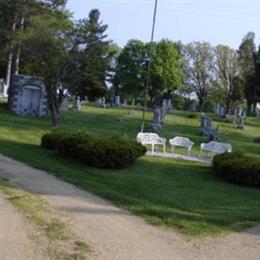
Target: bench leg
<point x="152" y="149"/>
<point x="164" y="149"/>
<point x="189" y="151"/>
<point x="172" y="148"/>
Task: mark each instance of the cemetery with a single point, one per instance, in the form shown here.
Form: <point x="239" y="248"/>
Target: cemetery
<point x="21" y="138"/>
<point x="142" y="149"/>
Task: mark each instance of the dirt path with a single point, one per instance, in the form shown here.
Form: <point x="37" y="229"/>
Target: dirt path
<point x="116" y="234"/>
<point x="14" y="236"/>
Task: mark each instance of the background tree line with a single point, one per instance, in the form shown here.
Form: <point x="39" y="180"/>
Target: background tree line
<point x="40" y="38"/>
<point x="220" y="73"/>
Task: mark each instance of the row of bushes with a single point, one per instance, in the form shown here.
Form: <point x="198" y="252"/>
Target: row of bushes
<point x="101" y="152"/>
<point x="238" y="168"/>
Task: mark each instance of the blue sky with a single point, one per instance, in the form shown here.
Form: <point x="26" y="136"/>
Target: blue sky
<point x="216" y="21"/>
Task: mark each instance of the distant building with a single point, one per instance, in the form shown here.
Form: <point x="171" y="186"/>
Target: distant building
<point x="28" y="96"/>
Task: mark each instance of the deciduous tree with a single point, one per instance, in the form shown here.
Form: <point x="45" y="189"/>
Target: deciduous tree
<point x="199" y="70"/>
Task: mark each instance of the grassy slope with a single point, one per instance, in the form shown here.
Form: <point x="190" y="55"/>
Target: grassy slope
<point x="182" y="195"/>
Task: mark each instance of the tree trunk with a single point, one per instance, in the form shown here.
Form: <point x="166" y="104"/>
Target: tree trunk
<point x="55" y="111"/>
<point x="10" y="60"/>
<point x="254" y="109"/>
<point x="18" y="54"/>
<point x="201" y="101"/>
<point x="227" y="108"/>
<point x="9" y="69"/>
<point x="249" y="105"/>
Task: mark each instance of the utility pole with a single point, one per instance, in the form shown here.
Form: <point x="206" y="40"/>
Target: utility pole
<point x="149" y="66"/>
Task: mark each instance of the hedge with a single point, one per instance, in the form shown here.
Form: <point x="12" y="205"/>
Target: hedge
<point x="238" y="168"/>
<point x="101" y="152"/>
<point x="257" y="139"/>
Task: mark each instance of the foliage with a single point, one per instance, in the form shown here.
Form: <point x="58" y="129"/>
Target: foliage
<point x="166" y="73"/>
<point x="250" y="70"/>
<point x="44" y="44"/>
<point x="183" y="103"/>
<point x="199" y="70"/>
<point x="93" y="55"/>
<point x="192" y="115"/>
<point x="257" y="140"/>
<point x="101" y="152"/>
<point x="41" y="37"/>
<point x="238" y="168"/>
<point x="131" y="70"/>
<point x="228" y="87"/>
<point x="51" y="140"/>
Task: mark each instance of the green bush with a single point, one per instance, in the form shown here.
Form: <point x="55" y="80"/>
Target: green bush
<point x="101" y="152"/>
<point x="68" y="144"/>
<point x="238" y="168"/>
<point x="192" y="115"/>
<point x="257" y="140"/>
<point x="50" y="140"/>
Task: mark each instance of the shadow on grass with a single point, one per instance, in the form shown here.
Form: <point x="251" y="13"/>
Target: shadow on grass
<point x="182" y="195"/>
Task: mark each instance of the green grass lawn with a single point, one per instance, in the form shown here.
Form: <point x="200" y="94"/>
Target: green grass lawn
<point x="181" y="195"/>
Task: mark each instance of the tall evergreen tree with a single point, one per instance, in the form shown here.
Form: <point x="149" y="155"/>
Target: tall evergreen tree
<point x="94" y="56"/>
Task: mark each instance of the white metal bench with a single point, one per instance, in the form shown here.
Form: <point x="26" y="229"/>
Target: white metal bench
<point x="215" y="147"/>
<point x="181" y="142"/>
<point x="151" y="139"/>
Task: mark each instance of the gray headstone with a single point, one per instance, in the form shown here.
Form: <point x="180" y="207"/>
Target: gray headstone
<point x="77" y="104"/>
<point x="157" y="119"/>
<point x="117" y="101"/>
<point x="103" y="102"/>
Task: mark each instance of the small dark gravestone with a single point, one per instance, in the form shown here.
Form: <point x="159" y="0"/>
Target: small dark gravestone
<point x="28" y="96"/>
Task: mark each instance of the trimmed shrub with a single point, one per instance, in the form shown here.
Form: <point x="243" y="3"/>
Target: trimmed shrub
<point x="257" y="140"/>
<point x="101" y="152"/>
<point x="50" y="141"/>
<point x="68" y="144"/>
<point x="192" y="115"/>
<point x="238" y="168"/>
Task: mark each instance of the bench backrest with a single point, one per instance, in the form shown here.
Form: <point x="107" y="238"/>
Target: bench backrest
<point x="181" y="141"/>
<point x="148" y="138"/>
<point x="216" y="147"/>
